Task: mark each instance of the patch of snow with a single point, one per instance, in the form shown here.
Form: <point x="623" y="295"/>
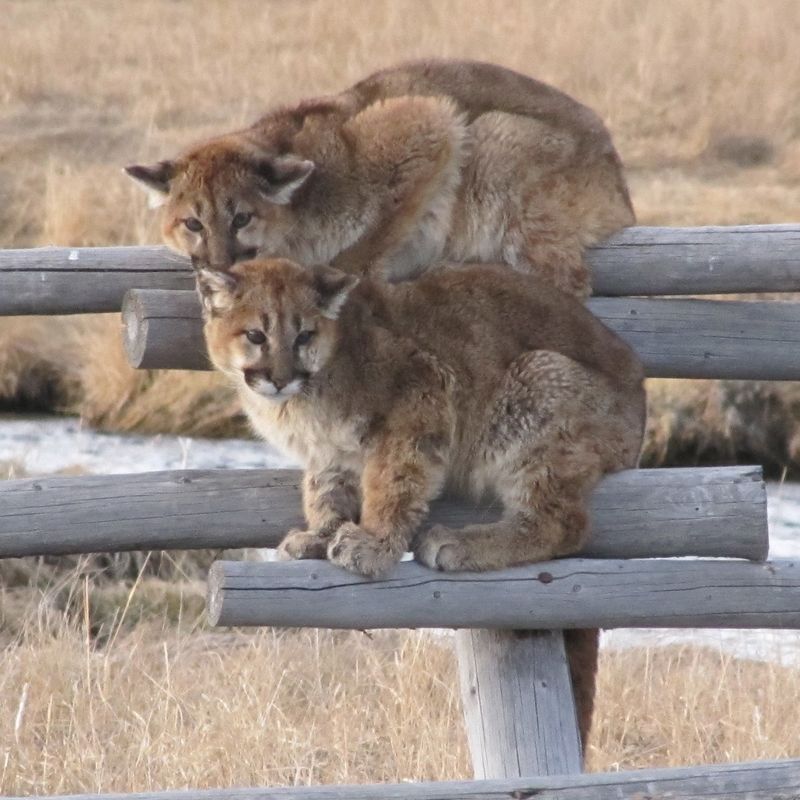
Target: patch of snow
<point x="47" y="445"/>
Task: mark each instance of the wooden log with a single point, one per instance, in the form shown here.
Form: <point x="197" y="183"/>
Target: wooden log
<point x="719" y="511"/>
<point x="567" y="593"/>
<point x="162" y="328"/>
<point x="518" y="703"/>
<point x="758" y="780"/>
<point x="78" y="280"/>
<point x="674" y="338"/>
<point x="637" y="261"/>
<point x="708" y="338"/>
<point x="706" y="260"/>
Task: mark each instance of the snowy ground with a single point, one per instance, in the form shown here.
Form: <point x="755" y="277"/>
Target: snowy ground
<point x="46" y="445"/>
<point x="41" y="445"/>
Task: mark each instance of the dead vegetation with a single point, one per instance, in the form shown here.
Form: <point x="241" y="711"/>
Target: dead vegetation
<point x="159" y="702"/>
<point x="701" y="97"/>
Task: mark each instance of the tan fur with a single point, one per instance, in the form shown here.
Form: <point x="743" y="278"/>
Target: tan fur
<point x="480" y="379"/>
<point x="435" y="159"/>
<point x="486" y="381"/>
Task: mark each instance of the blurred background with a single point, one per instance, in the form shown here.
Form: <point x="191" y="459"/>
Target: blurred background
<point x="701" y="97"/>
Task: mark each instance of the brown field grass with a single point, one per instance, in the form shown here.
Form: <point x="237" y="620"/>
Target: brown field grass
<point x="701" y="97"/>
<point x="166" y="704"/>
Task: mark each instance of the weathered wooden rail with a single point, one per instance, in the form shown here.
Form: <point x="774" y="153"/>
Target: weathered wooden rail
<point x="551" y="595"/>
<point x="518" y="700"/>
<point x="673" y="338"/>
<point x="637" y="261"/>
<point x="766" y="780"/>
<point x="718" y="512"/>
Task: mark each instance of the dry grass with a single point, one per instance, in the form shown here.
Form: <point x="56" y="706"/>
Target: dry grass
<point x="691" y="705"/>
<point x="701" y="98"/>
<point x="165" y="704"/>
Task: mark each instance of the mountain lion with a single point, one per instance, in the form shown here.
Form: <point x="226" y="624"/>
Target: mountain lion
<point x="479" y="380"/>
<point x="431" y="160"/>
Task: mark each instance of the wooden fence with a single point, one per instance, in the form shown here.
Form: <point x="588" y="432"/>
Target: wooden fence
<point x="518" y="702"/>
<point x="637" y="261"/>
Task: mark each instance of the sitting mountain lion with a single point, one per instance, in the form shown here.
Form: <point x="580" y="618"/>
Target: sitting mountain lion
<point x="476" y="379"/>
<point x="430" y="160"/>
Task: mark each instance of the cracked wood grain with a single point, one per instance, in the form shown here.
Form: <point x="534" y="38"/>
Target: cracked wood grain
<point x="518" y="703"/>
<point x="567" y="593"/>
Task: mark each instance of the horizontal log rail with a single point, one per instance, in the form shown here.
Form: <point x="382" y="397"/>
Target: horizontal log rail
<point x="85" y="280"/>
<point x="566" y="593"/>
<point x="713" y="512"/>
<point x="766" y="780"/>
<point x="707" y="260"/>
<point x="637" y="261"/>
<point x="163" y="329"/>
<point x="674" y="338"/>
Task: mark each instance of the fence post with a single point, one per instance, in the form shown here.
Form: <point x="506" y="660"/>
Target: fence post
<point x="518" y="703"/>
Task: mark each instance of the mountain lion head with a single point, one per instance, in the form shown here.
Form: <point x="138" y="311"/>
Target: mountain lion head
<point x="225" y="201"/>
<point x="272" y="324"/>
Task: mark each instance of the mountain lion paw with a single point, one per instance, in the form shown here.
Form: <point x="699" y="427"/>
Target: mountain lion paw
<point x="303" y="544"/>
<point x="359" y="551"/>
<point x="439" y="548"/>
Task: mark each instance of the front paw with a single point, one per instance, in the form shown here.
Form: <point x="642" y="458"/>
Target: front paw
<point x="439" y="548"/>
<point x="359" y="551"/>
<point x="303" y="544"/>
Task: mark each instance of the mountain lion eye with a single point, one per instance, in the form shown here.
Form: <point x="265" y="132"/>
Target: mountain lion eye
<point x="304" y="337"/>
<point x="241" y="219"/>
<point x="255" y="337"/>
<point x="193" y="224"/>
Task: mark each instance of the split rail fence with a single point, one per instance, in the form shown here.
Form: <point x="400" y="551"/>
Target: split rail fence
<point x="517" y="697"/>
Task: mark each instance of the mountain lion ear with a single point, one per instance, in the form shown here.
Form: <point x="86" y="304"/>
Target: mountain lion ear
<point x="217" y="291"/>
<point x="333" y="288"/>
<point x="279" y="177"/>
<point x="154" y="179"/>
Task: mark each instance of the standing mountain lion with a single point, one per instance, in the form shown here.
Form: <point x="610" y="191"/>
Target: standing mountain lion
<point x="431" y="160"/>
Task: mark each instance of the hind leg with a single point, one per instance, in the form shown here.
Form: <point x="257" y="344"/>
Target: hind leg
<point x="554" y="525"/>
<point x="564" y="216"/>
<point x="544" y="245"/>
<point x="561" y="216"/>
<point x="555" y="428"/>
